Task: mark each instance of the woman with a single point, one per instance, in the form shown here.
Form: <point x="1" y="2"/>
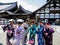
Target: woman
<point x="26" y="27"/>
<point x="10" y="31"/>
<point x="48" y="31"/>
<point x="32" y="31"/>
<point x="19" y="33"/>
<point x="40" y="33"/>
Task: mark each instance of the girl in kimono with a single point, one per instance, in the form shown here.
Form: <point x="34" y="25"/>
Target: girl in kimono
<point x="40" y="33"/>
<point x="26" y="27"/>
<point x="19" y="33"/>
<point x="48" y="34"/>
<point x="32" y="32"/>
<point x="10" y="31"/>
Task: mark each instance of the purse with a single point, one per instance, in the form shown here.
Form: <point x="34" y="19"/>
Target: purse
<point x="13" y="41"/>
<point x="31" y="41"/>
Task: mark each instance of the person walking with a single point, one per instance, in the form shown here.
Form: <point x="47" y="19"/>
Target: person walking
<point x="48" y="34"/>
<point x="19" y="32"/>
<point x="26" y="30"/>
<point x="32" y="32"/>
<point x="40" y="33"/>
<point x="9" y="28"/>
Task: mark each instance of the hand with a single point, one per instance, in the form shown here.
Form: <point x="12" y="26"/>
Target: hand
<point x="46" y="34"/>
<point x="38" y="30"/>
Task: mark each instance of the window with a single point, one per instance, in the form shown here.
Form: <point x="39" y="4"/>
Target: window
<point x="52" y="8"/>
<point x="47" y="6"/>
<point x="57" y="4"/>
<point x="41" y="15"/>
<point x="57" y="20"/>
<point x="46" y="15"/>
<point x="42" y="11"/>
<point x="38" y="12"/>
<point x="51" y="4"/>
<point x="57" y="8"/>
<point x="51" y="15"/>
<point x="47" y="9"/>
<point x="56" y="15"/>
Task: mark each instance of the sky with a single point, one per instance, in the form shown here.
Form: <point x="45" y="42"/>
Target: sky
<point x="30" y="5"/>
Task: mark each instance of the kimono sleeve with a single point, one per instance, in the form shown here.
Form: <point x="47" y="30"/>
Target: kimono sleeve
<point x="30" y="29"/>
<point x="51" y="30"/>
<point x="38" y="28"/>
<point x="34" y="29"/>
<point x="4" y="27"/>
<point x="44" y="32"/>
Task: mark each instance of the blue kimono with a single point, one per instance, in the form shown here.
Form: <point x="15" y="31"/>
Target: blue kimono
<point x="40" y="35"/>
<point x="32" y="33"/>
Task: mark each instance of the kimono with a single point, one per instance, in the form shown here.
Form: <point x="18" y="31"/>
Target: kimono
<point x="32" y="33"/>
<point x="48" y="36"/>
<point x="10" y="32"/>
<point x="19" y="35"/>
<point x="40" y="35"/>
<point x="26" y="30"/>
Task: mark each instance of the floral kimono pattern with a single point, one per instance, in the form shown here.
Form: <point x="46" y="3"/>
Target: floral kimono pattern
<point x="18" y="35"/>
<point x="10" y="32"/>
<point x="48" y="36"/>
<point x="40" y="35"/>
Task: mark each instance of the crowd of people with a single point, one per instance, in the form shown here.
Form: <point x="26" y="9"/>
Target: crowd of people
<point x="18" y="32"/>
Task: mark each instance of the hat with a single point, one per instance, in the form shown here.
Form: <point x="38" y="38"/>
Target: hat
<point x="10" y="20"/>
<point x="20" y="20"/>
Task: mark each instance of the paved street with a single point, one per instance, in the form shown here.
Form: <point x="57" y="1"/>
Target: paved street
<point x="56" y="36"/>
<point x="2" y="37"/>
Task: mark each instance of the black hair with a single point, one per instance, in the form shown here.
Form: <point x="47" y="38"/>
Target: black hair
<point x="33" y="22"/>
<point x="19" y="22"/>
<point x="40" y="21"/>
<point x="25" y="20"/>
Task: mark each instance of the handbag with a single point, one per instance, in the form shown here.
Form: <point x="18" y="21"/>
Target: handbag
<point x="13" y="41"/>
<point x="9" y="31"/>
<point x="31" y="41"/>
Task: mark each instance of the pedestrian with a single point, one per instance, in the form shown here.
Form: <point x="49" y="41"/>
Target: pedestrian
<point x="32" y="33"/>
<point x="40" y="33"/>
<point x="9" y="28"/>
<point x="26" y="30"/>
<point x="48" y="34"/>
<point x="19" y="32"/>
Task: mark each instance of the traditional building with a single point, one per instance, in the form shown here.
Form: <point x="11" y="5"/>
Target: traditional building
<point x="20" y="13"/>
<point x="7" y="7"/>
<point x="12" y="11"/>
<point x="49" y="12"/>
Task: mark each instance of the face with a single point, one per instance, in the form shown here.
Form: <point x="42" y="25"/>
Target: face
<point x="41" y="23"/>
<point x="32" y="23"/>
<point x="19" y="24"/>
<point x="47" y="25"/>
<point x="26" y="21"/>
<point x="11" y="22"/>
